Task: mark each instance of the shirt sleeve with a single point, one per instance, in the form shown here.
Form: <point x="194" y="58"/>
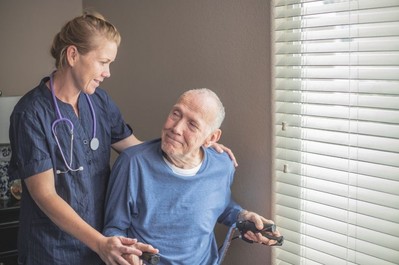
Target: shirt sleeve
<point x="230" y="214"/>
<point x="118" y="199"/>
<point x="30" y="153"/>
<point x="119" y="129"/>
<point x="233" y="209"/>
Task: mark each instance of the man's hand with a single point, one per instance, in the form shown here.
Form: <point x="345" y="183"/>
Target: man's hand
<point x="259" y="222"/>
<point x="136" y="260"/>
<point x="133" y="259"/>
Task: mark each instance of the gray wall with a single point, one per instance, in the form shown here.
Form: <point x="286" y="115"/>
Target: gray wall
<point x="27" y="29"/>
<point x="168" y="47"/>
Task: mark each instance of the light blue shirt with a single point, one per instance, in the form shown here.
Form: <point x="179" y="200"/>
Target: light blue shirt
<point x="176" y="214"/>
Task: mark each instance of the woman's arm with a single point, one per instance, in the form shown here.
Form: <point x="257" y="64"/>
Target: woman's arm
<point x="42" y="189"/>
<point x="125" y="143"/>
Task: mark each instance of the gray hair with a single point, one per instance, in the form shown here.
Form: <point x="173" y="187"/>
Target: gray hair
<point x="220" y="114"/>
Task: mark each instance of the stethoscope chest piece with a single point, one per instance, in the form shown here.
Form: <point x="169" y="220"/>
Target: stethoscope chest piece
<point x="94" y="143"/>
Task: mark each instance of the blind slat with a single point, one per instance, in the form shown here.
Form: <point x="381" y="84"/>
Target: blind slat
<point x="377" y="59"/>
<point x="340" y="151"/>
<point x="340" y="19"/>
<point x="359" y="31"/>
<point x="339" y="72"/>
<point x="338" y="138"/>
<point x="358" y="86"/>
<point x="315" y="7"/>
<point x="278" y="3"/>
<point x="333" y="162"/>
<point x="327" y="123"/>
<point x="308" y="111"/>
<point x="341" y="99"/>
<point x="357" y="45"/>
<point x="374" y="179"/>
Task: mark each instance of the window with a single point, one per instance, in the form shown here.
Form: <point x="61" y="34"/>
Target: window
<point x="336" y="99"/>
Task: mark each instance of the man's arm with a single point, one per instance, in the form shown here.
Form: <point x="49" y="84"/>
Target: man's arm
<point x="118" y="204"/>
<point x="118" y="199"/>
<point x="230" y="214"/>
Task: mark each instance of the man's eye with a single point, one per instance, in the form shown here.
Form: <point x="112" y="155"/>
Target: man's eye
<point x="175" y="115"/>
<point x="193" y="126"/>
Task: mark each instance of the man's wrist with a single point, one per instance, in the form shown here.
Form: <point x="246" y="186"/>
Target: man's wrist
<point x="241" y="215"/>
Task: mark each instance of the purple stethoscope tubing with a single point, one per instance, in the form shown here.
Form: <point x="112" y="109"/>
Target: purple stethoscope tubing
<point x="94" y="143"/>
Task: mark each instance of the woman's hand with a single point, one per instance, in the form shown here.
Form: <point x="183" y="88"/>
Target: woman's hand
<point x="122" y="250"/>
<point x="221" y="148"/>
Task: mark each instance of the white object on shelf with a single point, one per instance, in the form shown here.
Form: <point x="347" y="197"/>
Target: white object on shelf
<point x="6" y="107"/>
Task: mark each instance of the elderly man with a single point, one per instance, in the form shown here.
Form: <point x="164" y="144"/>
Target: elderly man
<point x="170" y="192"/>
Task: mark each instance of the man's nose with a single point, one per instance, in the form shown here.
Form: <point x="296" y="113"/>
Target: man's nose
<point x="178" y="127"/>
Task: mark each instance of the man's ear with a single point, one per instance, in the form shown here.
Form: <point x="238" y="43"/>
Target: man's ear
<point x="213" y="138"/>
<point x="72" y="55"/>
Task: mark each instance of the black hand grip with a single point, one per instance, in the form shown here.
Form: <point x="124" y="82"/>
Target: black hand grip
<point x="150" y="258"/>
<point x="244" y="226"/>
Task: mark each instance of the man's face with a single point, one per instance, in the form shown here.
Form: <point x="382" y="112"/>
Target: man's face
<point x="187" y="127"/>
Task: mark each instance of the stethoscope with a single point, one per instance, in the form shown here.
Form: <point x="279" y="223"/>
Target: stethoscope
<point x="94" y="142"/>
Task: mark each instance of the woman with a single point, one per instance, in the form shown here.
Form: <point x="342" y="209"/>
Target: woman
<point x="65" y="175"/>
<point x="61" y="133"/>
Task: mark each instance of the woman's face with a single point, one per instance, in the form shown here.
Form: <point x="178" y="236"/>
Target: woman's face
<point x="90" y="69"/>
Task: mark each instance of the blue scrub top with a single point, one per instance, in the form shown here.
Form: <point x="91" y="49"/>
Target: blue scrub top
<point x="34" y="150"/>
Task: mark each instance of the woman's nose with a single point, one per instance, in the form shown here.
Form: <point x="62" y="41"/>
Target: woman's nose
<point x="106" y="73"/>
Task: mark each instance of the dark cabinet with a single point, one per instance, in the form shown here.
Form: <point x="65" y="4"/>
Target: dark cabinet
<point x="9" y="215"/>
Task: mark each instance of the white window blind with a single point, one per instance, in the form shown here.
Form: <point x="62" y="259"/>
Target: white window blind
<point x="336" y="92"/>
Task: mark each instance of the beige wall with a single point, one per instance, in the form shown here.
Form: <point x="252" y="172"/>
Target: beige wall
<point x="168" y="47"/>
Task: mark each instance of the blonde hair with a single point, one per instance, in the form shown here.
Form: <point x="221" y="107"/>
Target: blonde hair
<point x="83" y="32"/>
